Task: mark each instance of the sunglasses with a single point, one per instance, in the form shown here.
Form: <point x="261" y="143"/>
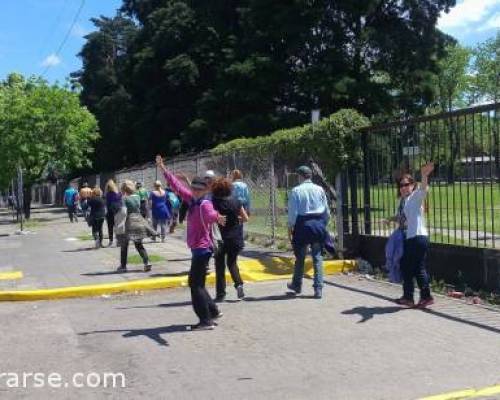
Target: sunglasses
<point x="402" y="185"/>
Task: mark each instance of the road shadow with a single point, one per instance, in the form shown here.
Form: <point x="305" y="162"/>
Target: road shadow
<point x="172" y="274"/>
<point x="78" y="250"/>
<point x="151" y="333"/>
<point x="427" y="310"/>
<point x="264" y="253"/>
<point x="101" y="273"/>
<point x="165" y="305"/>
<point x="286" y="296"/>
<point x="367" y="313"/>
<point x="178" y="259"/>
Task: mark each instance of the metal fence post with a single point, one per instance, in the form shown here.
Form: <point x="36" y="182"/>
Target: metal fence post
<point x="272" y="199"/>
<point x="366" y="185"/>
<point x="339" y="215"/>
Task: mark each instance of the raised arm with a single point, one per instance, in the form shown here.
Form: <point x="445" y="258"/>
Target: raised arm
<point x="175" y="184"/>
<point x="425" y="171"/>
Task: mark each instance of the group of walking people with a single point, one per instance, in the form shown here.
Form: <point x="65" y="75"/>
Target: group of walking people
<point x="126" y="214"/>
<point x="216" y="209"/>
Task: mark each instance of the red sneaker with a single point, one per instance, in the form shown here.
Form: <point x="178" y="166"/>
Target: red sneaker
<point x="405" y="302"/>
<point x="424" y="303"/>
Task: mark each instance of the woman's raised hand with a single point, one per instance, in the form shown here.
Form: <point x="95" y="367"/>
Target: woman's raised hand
<point x="427" y="169"/>
<point x="159" y="162"/>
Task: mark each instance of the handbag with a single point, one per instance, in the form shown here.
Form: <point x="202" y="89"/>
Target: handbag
<point x="120" y="220"/>
<point x="215" y="234"/>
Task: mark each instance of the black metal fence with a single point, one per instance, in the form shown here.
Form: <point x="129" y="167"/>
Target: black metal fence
<point x="463" y="205"/>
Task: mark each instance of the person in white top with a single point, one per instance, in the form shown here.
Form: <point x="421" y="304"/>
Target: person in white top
<point x="411" y="219"/>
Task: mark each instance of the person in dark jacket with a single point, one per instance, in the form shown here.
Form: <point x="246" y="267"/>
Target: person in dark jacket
<point x="97" y="213"/>
<point x="232" y="237"/>
<point x="113" y="204"/>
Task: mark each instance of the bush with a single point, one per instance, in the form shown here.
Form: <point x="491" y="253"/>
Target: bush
<point x="335" y="139"/>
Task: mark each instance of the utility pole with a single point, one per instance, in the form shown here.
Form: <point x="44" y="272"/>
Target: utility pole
<point x="20" y="193"/>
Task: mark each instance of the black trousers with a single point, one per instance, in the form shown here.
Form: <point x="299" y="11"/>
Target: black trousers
<point x="203" y="305"/>
<point x="140" y="249"/>
<point x="110" y="219"/>
<point x="72" y="213"/>
<point x="227" y="255"/>
<point x="97" y="228"/>
<point x="144" y="209"/>
<point x="413" y="267"/>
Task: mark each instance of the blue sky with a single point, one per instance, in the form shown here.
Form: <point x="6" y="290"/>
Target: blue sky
<point x="32" y="30"/>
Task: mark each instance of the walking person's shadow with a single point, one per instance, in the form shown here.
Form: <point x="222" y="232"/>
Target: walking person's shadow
<point x="367" y="313"/>
<point x="151" y="333"/>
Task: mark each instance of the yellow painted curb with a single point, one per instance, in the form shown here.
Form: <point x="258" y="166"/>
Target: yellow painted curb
<point x="251" y="271"/>
<point x="466" y="394"/>
<point x="8" y="275"/>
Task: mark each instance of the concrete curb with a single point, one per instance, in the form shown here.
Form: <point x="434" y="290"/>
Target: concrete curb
<point x="251" y="271"/>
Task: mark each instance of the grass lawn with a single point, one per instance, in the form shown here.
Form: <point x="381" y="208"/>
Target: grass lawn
<point x="136" y="258"/>
<point x="467" y="207"/>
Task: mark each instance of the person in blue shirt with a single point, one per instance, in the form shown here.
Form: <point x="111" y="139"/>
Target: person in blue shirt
<point x="70" y="201"/>
<point x="308" y="215"/>
<point x="240" y="190"/>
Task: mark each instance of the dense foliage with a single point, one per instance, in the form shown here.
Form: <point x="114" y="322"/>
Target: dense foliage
<point x="178" y="75"/>
<point x="334" y="140"/>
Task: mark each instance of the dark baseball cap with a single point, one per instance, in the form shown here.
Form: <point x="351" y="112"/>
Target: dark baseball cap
<point x="304" y="171"/>
<point x="198" y="183"/>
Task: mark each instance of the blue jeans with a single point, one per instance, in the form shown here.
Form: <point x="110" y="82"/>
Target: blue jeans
<point x="300" y="256"/>
<point x="413" y="267"/>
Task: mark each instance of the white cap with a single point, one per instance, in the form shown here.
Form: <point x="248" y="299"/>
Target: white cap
<point x="210" y="174"/>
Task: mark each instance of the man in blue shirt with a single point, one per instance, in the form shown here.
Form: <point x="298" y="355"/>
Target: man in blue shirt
<point x="70" y="201"/>
<point x="240" y="190"/>
<point x="308" y="216"/>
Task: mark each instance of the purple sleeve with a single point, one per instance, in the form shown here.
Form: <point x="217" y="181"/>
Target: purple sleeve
<point x="209" y="214"/>
<point x="178" y="187"/>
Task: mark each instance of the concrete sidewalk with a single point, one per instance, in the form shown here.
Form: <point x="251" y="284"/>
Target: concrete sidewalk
<point x="53" y="255"/>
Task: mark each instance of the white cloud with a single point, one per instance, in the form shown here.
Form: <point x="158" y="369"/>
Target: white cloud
<point x="466" y="13"/>
<point x="79" y="31"/>
<point x="51" y="61"/>
<point x="492" y="23"/>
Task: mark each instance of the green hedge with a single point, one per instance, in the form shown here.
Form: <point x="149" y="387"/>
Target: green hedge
<point x="335" y="140"/>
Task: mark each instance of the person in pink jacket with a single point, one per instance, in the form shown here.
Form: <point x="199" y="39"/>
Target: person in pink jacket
<point x="201" y="216"/>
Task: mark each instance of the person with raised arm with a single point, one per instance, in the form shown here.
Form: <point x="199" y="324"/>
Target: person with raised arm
<point x="411" y="219"/>
<point x="200" y="218"/>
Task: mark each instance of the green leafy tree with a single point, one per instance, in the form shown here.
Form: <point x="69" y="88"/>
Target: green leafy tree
<point x="453" y="80"/>
<point x="103" y="80"/>
<point x="42" y="126"/>
<point x="487" y="70"/>
<point x="197" y="73"/>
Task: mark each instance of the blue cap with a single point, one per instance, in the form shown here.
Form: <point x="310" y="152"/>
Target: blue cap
<point x="304" y="171"/>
